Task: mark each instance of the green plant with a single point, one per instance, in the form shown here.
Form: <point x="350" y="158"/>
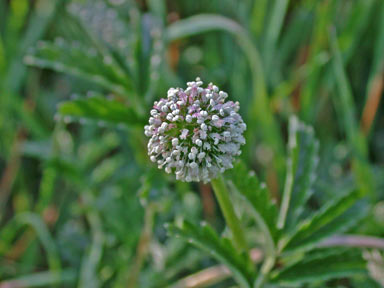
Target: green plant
<point x="81" y="205"/>
<point x="292" y="242"/>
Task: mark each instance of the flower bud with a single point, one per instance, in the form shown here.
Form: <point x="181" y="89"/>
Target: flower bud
<point x="195" y="133"/>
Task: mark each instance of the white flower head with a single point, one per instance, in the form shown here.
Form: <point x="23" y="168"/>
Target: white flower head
<point x="195" y="133"/>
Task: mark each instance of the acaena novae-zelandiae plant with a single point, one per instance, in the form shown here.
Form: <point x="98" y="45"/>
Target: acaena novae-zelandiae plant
<point x="196" y="134"/>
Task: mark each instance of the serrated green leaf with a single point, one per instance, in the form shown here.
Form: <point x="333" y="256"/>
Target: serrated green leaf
<point x="222" y="249"/>
<point x="100" y="109"/>
<point x="337" y="216"/>
<point x="81" y="62"/>
<point x="262" y="207"/>
<point x="312" y="255"/>
<point x="320" y="266"/>
<point x="301" y="165"/>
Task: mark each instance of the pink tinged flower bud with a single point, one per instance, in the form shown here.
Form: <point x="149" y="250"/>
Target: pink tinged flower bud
<point x="223" y="95"/>
<point x="148" y="133"/>
<point x="193" y="165"/>
<point x="164" y="125"/>
<point x="191" y="156"/>
<point x="180" y="140"/>
<point x="175" y="141"/>
<point x="215" y="118"/>
<point x="153" y="112"/>
<point x="173" y="107"/>
<point x="184" y="134"/>
<point x="203" y="134"/>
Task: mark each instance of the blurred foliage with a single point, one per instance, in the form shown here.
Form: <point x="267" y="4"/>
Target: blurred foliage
<point x="81" y="205"/>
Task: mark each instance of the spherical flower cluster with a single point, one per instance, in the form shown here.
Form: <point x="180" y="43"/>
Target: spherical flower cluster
<point x="195" y="133"/>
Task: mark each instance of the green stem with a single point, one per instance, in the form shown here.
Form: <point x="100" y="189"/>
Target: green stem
<point x="222" y="195"/>
<point x="268" y="264"/>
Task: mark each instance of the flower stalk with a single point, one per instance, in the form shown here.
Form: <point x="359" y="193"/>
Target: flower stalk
<point x="222" y="194"/>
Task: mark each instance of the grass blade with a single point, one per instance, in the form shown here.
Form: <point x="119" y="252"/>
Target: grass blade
<point x="273" y="32"/>
<point x="45" y="237"/>
<point x="41" y="279"/>
<point x="375" y="82"/>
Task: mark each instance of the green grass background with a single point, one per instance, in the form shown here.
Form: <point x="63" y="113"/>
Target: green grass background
<point x="81" y="205"/>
